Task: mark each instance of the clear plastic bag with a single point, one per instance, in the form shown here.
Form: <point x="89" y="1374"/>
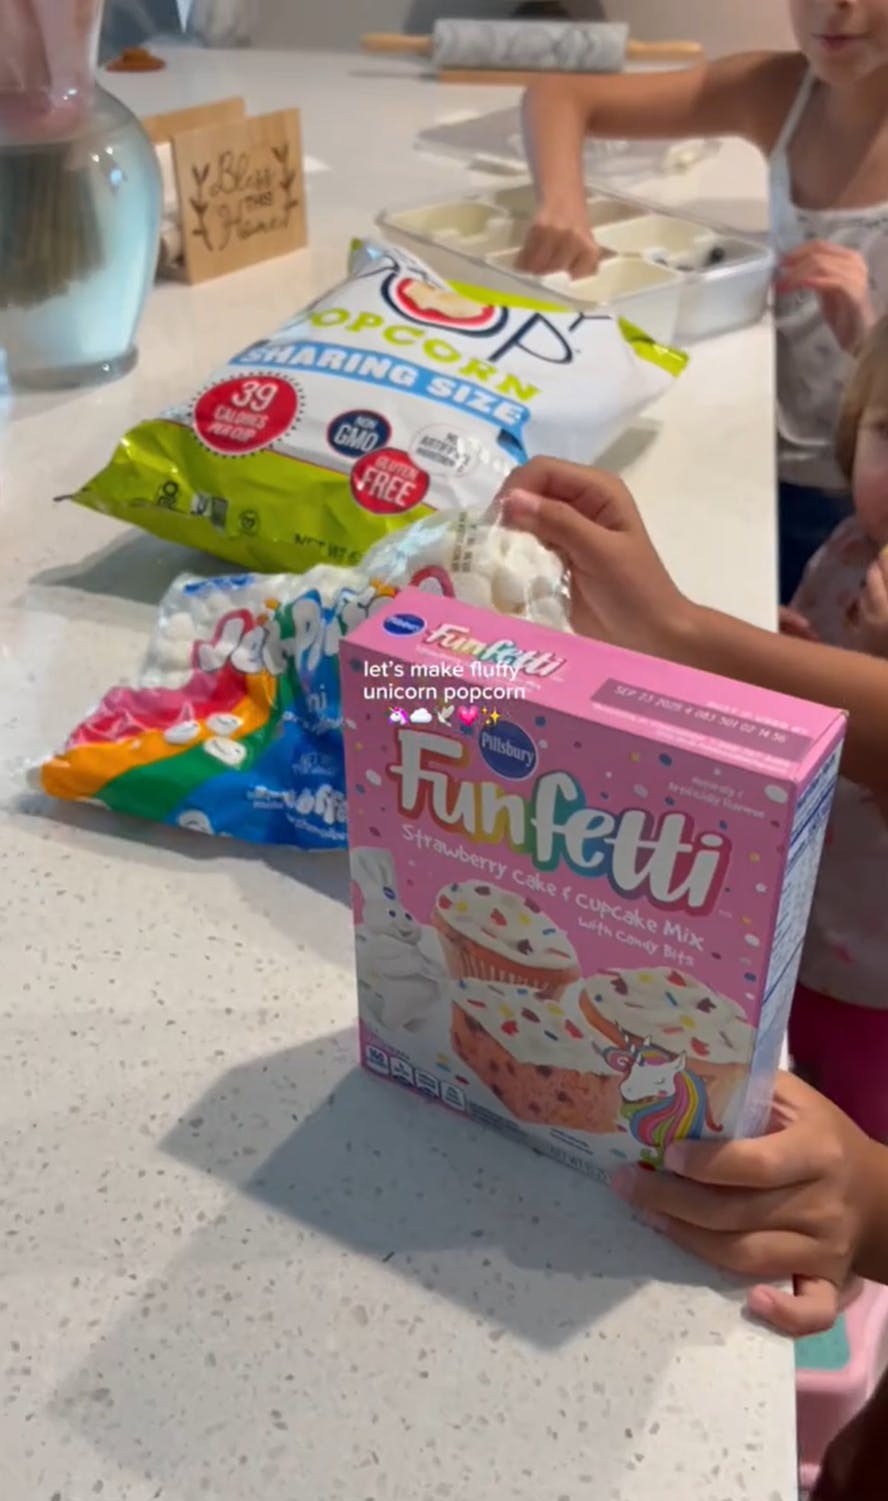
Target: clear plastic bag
<point x="234" y="726"/>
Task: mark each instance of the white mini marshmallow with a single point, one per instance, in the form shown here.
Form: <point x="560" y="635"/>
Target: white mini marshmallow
<point x="194" y="820"/>
<point x="223" y="724"/>
<point x="229" y="752"/>
<point x="183" y="733"/>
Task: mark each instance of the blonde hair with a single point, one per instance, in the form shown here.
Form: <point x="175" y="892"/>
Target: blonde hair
<point x="868" y="387"/>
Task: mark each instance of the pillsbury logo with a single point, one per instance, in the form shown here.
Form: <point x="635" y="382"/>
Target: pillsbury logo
<point x="508" y="750"/>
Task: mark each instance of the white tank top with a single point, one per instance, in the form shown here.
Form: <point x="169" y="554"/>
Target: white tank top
<point x="812" y="370"/>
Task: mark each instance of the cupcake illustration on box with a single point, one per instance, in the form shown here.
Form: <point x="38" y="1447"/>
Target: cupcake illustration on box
<point x="581" y="922"/>
<point x="539" y="1056"/>
<point x="490" y="934"/>
<point x="551" y="1064"/>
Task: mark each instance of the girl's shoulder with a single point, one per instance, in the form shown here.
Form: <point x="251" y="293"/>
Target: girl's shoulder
<point x="775" y="80"/>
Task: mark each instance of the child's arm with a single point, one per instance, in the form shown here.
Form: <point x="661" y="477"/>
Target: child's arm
<point x="622" y="593"/>
<point x="745" y="95"/>
<point x="825" y="674"/>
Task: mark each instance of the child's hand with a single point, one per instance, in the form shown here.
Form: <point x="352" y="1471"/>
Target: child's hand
<point x="792" y="623"/>
<point x="559" y="242"/>
<point x="621" y="591"/>
<point x="872" y="616"/>
<point x="794" y="1203"/>
<point x="840" y="277"/>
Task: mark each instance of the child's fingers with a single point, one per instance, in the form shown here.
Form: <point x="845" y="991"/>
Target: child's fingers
<point x="782" y="1159"/>
<point x="874" y="597"/>
<point x="841" y="268"/>
<point x="877" y="588"/>
<point x="822" y="251"/>
<point x="813" y="280"/>
<point x="772" y="1254"/>
<point x="724" y="1210"/>
<point x="792" y="623"/>
<point x="811" y="1309"/>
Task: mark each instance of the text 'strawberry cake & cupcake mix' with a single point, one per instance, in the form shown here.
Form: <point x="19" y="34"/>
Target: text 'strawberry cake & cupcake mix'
<point x="581" y="878"/>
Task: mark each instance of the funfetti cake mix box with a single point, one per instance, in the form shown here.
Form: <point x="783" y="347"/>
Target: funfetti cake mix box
<point x="581" y="878"/>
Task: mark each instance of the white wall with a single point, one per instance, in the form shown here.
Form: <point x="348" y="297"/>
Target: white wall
<point x="721" y="25"/>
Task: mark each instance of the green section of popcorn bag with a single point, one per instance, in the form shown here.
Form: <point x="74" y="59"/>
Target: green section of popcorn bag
<point x="266" y="512"/>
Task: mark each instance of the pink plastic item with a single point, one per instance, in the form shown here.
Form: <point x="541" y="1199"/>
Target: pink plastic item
<point x="828" y="1394"/>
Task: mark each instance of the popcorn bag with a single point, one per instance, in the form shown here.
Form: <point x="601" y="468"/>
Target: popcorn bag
<point x="393" y="396"/>
<point x="234" y="726"/>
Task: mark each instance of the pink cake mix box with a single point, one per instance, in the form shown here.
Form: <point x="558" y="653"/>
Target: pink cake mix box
<point x="581" y="878"/>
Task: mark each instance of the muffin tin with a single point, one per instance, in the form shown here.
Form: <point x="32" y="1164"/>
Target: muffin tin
<point x="677" y="278"/>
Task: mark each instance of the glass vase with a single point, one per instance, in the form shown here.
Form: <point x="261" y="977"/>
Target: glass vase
<point x="80" y="203"/>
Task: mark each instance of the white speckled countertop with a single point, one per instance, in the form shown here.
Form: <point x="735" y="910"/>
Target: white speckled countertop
<point x="231" y="1266"/>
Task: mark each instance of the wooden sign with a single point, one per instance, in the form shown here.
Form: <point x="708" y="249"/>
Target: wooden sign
<point x="240" y="185"/>
<point x="164" y="128"/>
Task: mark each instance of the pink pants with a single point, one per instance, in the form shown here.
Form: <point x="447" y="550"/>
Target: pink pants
<point x="842" y="1050"/>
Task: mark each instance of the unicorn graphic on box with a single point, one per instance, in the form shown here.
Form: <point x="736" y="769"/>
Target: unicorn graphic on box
<point x="662" y="1099"/>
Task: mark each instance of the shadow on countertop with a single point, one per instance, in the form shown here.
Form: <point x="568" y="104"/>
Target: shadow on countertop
<point x="136" y="567"/>
<point x="403" y="1183"/>
<point x="310" y="1304"/>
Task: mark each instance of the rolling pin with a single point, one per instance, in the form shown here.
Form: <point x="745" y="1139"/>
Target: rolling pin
<point x="514" y="52"/>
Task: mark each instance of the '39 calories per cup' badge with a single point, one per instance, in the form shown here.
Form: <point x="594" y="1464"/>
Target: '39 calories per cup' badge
<point x="240" y="416"/>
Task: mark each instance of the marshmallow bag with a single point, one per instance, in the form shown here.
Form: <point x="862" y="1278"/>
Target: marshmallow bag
<point x="235" y="726"/>
<point x="393" y="396"/>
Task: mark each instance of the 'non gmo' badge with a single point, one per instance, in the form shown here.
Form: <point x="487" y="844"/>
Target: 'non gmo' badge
<point x="355" y="433"/>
